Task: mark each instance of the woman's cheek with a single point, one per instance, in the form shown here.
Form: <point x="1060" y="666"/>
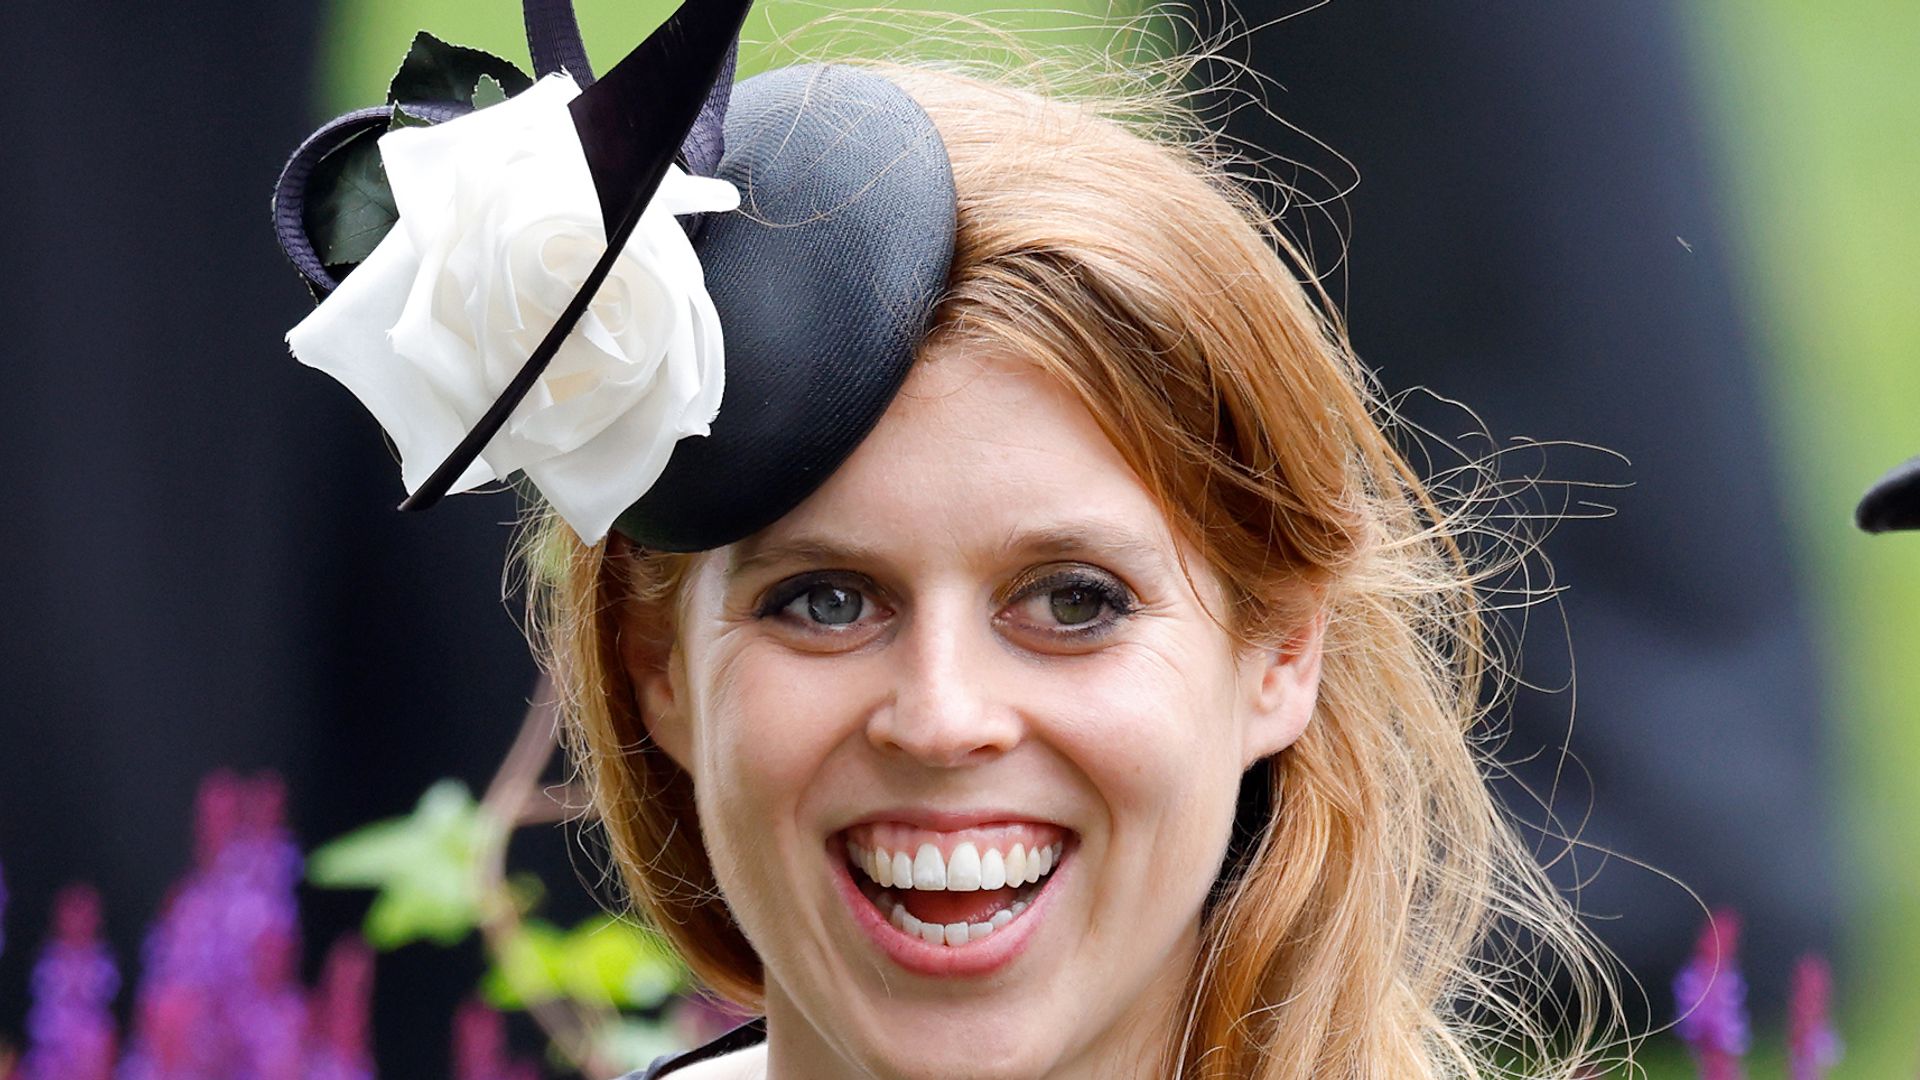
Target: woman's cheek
<point x="775" y="717"/>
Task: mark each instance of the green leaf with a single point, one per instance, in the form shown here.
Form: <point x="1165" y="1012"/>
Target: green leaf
<point x="350" y="206"/>
<point x="527" y="970"/>
<point x="439" y="72"/>
<point x="603" y="961"/>
<point x="423" y="866"/>
<point x="615" y="962"/>
<point x="487" y="92"/>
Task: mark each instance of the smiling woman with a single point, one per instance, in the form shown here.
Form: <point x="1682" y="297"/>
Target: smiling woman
<point x="999" y="632"/>
<point x="1109" y="711"/>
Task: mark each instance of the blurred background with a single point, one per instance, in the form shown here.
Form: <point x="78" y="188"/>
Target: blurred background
<point x="1682" y="231"/>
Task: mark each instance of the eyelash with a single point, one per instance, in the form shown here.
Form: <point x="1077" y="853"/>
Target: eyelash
<point x="1114" y="597"/>
<point x="782" y="596"/>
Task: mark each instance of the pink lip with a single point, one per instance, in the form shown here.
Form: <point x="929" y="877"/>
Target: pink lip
<point x="946" y="820"/>
<point x="973" y="959"/>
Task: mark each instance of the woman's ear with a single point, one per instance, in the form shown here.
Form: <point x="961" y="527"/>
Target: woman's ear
<point x="645" y="642"/>
<point x="1281" y="683"/>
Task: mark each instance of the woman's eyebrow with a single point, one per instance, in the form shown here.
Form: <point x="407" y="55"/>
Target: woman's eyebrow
<point x="748" y="555"/>
<point x="1054" y="542"/>
<point x="1090" y="539"/>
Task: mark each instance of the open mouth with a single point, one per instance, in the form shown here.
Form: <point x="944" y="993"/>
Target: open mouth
<point x="954" y="888"/>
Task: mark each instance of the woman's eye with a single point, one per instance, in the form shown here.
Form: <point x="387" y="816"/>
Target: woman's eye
<point x="1073" y="604"/>
<point x="829" y="605"/>
<point x="1076" y="605"/>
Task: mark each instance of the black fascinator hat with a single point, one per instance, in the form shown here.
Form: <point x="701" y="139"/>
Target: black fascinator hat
<point x="673" y="304"/>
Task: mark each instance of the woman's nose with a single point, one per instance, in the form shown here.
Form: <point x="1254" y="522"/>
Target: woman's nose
<point x="945" y="710"/>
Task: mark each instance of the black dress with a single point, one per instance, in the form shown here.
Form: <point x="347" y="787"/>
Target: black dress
<point x="747" y="1034"/>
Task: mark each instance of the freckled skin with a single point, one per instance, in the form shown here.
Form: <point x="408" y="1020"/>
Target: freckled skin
<point x="954" y="690"/>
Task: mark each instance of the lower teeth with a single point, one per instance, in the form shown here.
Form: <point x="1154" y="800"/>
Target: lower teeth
<point x="950" y="934"/>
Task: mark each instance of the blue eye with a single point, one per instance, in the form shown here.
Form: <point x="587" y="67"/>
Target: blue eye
<point x="826" y="603"/>
<point x="831" y="605"/>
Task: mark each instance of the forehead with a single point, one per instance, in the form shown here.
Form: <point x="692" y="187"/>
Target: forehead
<point x="980" y="450"/>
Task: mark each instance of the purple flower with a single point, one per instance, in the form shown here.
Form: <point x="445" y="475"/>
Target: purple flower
<point x="1712" y="1000"/>
<point x="1813" y="1046"/>
<point x="219" y="995"/>
<point x="70" y="1030"/>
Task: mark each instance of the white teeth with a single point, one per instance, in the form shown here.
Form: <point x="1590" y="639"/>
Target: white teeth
<point x="929" y="869"/>
<point x="968" y="869"/>
<point x="950" y="935"/>
<point x="964" y="870"/>
<point x="993" y="870"/>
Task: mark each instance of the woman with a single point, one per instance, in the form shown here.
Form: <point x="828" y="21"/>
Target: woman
<point x="1129" y="531"/>
<point x="1103" y="706"/>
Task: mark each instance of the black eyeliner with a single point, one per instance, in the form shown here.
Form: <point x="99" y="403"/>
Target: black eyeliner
<point x="786" y="592"/>
<point x="1112" y="592"/>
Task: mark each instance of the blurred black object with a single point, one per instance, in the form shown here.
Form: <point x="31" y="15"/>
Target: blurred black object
<point x="1893" y="502"/>
<point x="1538" y="232"/>
<point x="203" y="565"/>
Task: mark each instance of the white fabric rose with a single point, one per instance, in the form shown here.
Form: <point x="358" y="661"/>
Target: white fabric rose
<point x="499" y="225"/>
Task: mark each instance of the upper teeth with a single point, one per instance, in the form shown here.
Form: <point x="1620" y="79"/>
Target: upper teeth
<point x="966" y="870"/>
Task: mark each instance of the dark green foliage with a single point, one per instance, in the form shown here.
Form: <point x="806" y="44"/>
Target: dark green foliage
<point x="435" y="71"/>
<point x="350" y="207"/>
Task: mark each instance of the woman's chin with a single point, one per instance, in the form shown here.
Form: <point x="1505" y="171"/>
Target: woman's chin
<point x="980" y="1045"/>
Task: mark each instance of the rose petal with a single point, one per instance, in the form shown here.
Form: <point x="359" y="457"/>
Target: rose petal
<point x="593" y="485"/>
<point x="346" y="338"/>
<point x="682" y="193"/>
<point x="426" y="165"/>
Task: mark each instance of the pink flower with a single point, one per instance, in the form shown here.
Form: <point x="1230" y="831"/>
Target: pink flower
<point x="480" y="1047"/>
<point x="1813" y="1047"/>
<point x="339" y="1036"/>
<point x="1712" y="1000"/>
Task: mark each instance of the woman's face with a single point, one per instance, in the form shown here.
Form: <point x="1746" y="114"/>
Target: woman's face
<point x="966" y="742"/>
